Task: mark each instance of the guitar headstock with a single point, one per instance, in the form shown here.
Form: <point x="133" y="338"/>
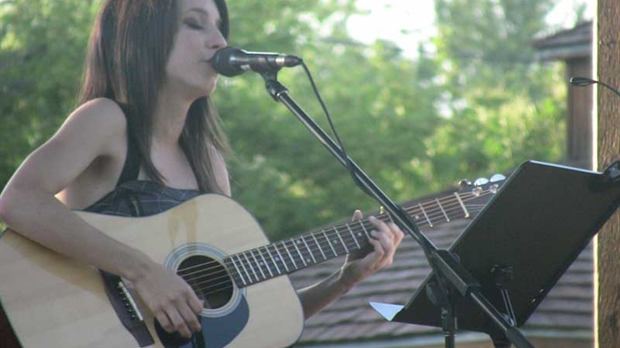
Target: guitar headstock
<point x="477" y="194"/>
<point x="480" y="185"/>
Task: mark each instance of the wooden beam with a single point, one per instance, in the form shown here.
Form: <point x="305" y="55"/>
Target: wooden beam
<point x="607" y="263"/>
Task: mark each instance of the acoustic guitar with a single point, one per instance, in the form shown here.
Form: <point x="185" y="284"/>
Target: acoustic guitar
<point x="216" y="246"/>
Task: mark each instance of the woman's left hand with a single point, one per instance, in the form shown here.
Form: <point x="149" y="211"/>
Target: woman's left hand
<point x="384" y="240"/>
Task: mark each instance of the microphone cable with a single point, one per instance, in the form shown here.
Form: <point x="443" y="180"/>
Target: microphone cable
<point x="348" y="164"/>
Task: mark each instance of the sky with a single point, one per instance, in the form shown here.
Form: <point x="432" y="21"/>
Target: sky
<point x="407" y="22"/>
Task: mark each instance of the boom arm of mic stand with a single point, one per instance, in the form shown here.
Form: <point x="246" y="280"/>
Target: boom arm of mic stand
<point x="442" y="262"/>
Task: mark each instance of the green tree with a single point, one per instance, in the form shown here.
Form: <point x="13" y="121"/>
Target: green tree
<point x="504" y="107"/>
<point x="42" y="44"/>
<point x="414" y="125"/>
<point x="380" y="101"/>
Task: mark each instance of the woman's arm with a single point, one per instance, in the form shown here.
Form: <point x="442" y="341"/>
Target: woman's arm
<point x="28" y="206"/>
<point x="384" y="240"/>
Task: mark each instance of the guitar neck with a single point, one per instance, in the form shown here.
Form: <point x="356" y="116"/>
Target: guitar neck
<point x="289" y="255"/>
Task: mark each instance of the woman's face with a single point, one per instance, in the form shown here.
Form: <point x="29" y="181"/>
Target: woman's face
<point x="198" y="38"/>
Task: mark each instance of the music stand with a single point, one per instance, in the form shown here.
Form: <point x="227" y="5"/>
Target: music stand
<point x="533" y="229"/>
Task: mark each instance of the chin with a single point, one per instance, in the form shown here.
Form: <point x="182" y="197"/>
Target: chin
<point x="201" y="90"/>
<point x="209" y="85"/>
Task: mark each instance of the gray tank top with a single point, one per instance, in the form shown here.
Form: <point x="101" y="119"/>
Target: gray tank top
<point x="132" y="197"/>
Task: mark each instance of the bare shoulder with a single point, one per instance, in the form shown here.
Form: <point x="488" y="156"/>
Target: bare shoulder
<point x="94" y="132"/>
<point x="102" y="113"/>
<point x="100" y="123"/>
<point x="101" y="105"/>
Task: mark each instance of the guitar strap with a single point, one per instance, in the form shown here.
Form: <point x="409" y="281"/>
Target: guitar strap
<point x="126" y="309"/>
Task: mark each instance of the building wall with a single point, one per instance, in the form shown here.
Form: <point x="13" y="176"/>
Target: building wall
<point x="579" y="119"/>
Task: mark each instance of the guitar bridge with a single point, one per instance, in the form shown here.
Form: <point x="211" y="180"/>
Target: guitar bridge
<point x="130" y="304"/>
<point x="126" y="308"/>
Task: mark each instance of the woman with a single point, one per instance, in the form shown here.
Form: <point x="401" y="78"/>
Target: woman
<point x="145" y="130"/>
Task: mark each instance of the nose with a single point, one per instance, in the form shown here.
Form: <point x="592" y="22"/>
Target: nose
<point x="216" y="40"/>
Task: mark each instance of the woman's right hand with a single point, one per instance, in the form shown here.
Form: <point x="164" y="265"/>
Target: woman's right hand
<point x="171" y="300"/>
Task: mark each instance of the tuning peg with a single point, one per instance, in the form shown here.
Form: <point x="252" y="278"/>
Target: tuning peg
<point x="476" y="191"/>
<point x="481" y="181"/>
<point x="463" y="184"/>
<point x="497" y="177"/>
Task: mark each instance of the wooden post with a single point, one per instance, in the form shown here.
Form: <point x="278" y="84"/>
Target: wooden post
<point x="607" y="263"/>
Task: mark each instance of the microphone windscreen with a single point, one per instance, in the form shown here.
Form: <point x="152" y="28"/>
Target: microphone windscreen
<point x="221" y="62"/>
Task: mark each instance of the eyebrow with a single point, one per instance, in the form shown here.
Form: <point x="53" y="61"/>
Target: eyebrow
<point x="201" y="11"/>
<point x="198" y="9"/>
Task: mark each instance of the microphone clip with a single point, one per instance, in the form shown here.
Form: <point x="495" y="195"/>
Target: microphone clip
<point x="612" y="173"/>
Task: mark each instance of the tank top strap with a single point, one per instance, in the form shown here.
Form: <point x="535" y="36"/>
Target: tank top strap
<point x="131" y="167"/>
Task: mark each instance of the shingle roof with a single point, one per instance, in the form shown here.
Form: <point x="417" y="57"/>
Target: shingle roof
<point x="566" y="44"/>
<point x="567" y="309"/>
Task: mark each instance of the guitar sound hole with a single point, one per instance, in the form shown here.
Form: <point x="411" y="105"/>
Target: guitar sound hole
<point x="209" y="279"/>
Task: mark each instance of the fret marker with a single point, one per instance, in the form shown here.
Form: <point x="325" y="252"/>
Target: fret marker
<point x="289" y="255"/>
<point x="319" y="246"/>
<point x="251" y="268"/>
<point x="342" y="240"/>
<point x="443" y="211"/>
<point x="308" y="248"/>
<point x="364" y="228"/>
<point x="279" y="258"/>
<point x="462" y="205"/>
<point x="330" y="244"/>
<point x="354" y="239"/>
<point x="259" y="263"/>
<point x="244" y="269"/>
<point x="301" y="257"/>
<point x="232" y="259"/>
<point x="264" y="262"/>
<point x="426" y="216"/>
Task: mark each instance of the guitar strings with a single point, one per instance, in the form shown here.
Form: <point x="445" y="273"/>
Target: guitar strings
<point x="211" y="289"/>
<point x="356" y="230"/>
<point x="207" y="272"/>
<point x="297" y="256"/>
<point x="332" y="231"/>
<point x="222" y="270"/>
<point x="321" y="243"/>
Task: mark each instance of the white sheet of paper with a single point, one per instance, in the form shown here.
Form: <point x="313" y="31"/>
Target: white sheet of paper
<point x="387" y="310"/>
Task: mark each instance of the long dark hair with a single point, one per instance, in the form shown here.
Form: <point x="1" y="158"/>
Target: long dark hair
<point x="127" y="55"/>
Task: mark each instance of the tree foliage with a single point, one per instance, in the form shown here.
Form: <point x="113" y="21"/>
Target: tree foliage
<point x="480" y="103"/>
<point x="42" y="45"/>
<point x="504" y="107"/>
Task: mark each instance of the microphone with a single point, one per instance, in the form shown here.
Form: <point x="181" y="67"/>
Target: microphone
<point x="232" y="61"/>
<point x="586" y="81"/>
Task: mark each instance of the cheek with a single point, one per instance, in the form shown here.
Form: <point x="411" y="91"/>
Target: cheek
<point x="181" y="68"/>
<point x="180" y="55"/>
<point x="173" y="61"/>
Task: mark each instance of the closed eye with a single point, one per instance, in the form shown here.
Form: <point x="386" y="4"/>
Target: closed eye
<point x="194" y="26"/>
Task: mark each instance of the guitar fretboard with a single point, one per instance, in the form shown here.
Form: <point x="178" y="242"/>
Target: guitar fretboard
<point x="290" y="255"/>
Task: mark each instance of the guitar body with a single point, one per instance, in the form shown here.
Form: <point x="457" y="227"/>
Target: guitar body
<point x="53" y="301"/>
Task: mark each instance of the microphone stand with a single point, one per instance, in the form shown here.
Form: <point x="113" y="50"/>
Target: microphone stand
<point x="453" y="278"/>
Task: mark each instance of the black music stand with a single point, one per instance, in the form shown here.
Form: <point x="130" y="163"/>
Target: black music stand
<point x="521" y="243"/>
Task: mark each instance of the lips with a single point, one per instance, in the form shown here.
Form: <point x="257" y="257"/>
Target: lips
<point x="208" y="62"/>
